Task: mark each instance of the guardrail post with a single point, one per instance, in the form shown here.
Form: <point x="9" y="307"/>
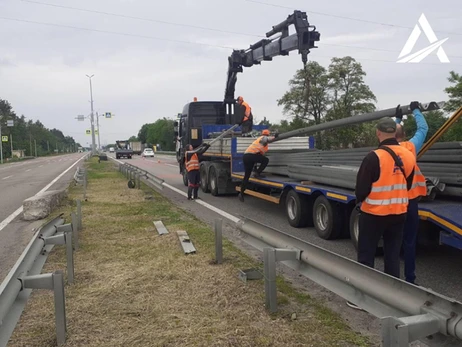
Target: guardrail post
<point x="219" y="241"/>
<point x="79" y="214"/>
<point x="75" y="230"/>
<point x="138" y="180"/>
<point x="52" y="281"/>
<point x="64" y="239"/>
<point x="270" y="257"/>
<point x="84" y="185"/>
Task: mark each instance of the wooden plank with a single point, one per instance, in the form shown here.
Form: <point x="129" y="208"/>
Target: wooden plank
<point x="161" y="229"/>
<point x="185" y="241"/>
<point x="260" y="195"/>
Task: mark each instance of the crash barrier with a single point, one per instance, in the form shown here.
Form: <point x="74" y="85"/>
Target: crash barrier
<point x="135" y="175"/>
<point x="26" y="275"/>
<point x="408" y="312"/>
<point x="80" y="177"/>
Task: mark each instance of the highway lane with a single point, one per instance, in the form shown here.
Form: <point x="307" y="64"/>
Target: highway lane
<point x="438" y="269"/>
<point x="19" y="181"/>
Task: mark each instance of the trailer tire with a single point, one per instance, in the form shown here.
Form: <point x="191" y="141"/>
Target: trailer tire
<point x="204" y="178"/>
<point x="354" y="227"/>
<point x="297" y="210"/>
<point x="326" y="219"/>
<point x="213" y="181"/>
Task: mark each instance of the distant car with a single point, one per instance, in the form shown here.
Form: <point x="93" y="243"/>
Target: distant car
<point x="111" y="150"/>
<point x="148" y="152"/>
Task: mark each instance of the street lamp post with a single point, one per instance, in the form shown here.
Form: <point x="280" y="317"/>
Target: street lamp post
<point x="1" y="141"/>
<point x="93" y="145"/>
<point x="97" y="124"/>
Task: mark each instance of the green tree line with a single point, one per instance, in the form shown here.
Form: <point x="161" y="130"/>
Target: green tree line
<point x="28" y="135"/>
<point x="158" y="133"/>
<point x="318" y="94"/>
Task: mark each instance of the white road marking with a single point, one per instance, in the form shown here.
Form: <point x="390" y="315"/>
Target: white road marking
<point x="200" y="202"/>
<point x="5" y="178"/>
<point x="28" y="170"/>
<point x="40" y="165"/>
<point x="172" y="165"/>
<point x="16" y="213"/>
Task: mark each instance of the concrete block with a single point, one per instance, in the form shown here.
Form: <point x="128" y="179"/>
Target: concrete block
<point x="40" y="206"/>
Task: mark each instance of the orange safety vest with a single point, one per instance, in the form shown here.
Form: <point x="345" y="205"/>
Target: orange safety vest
<point x="419" y="186"/>
<point x="193" y="163"/>
<point x="389" y="194"/>
<point x="247" y="111"/>
<point x="257" y="148"/>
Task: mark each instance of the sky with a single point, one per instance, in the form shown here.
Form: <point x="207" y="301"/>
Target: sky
<point x="149" y="58"/>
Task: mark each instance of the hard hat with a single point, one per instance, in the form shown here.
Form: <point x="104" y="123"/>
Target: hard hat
<point x="265" y="132"/>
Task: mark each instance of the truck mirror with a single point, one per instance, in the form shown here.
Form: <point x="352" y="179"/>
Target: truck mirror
<point x="175" y="123"/>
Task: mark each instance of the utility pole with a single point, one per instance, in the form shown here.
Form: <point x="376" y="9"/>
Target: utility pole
<point x="30" y="143"/>
<point x="97" y="124"/>
<point x="48" y="147"/>
<point x="35" y="142"/>
<point x="11" y="140"/>
<point x="93" y="145"/>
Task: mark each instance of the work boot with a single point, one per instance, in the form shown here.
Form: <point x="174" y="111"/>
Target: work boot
<point x="189" y="193"/>
<point x="241" y="197"/>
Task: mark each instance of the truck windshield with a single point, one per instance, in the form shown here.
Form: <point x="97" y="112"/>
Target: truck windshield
<point x="206" y="113"/>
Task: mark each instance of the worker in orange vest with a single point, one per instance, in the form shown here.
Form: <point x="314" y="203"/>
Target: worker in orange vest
<point x="254" y="154"/>
<point x="246" y="121"/>
<point x="192" y="166"/>
<point x="418" y="189"/>
<point x="382" y="188"/>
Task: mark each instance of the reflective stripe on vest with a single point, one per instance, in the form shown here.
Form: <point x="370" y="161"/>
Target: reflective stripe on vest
<point x="256" y="147"/>
<point x="193" y="163"/>
<point x="419" y="186"/>
<point x="389" y="194"/>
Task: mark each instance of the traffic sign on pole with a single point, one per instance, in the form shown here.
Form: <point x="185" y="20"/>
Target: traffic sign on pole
<point x="10" y="123"/>
<point x="88" y="132"/>
<point x="4" y="138"/>
<point x="80" y="117"/>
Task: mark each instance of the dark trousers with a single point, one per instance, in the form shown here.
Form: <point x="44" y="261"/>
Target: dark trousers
<point x="411" y="228"/>
<point x="371" y="229"/>
<point x="250" y="160"/>
<point x="246" y="127"/>
<point x="194" y="179"/>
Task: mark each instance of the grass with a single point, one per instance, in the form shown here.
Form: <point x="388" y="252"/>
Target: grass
<point x="136" y="288"/>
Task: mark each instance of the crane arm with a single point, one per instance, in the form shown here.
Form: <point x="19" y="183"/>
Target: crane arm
<point x="302" y="40"/>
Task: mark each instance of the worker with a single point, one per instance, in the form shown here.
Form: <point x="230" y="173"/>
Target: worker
<point x="192" y="166"/>
<point x="382" y="184"/>
<point x="254" y="154"/>
<point x="418" y="189"/>
<point x="246" y="122"/>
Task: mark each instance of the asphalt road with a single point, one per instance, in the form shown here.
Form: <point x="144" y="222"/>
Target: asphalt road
<point x="19" y="181"/>
<point x="437" y="269"/>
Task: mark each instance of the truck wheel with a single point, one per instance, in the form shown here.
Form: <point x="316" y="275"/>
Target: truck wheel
<point x="326" y="219"/>
<point x="213" y="180"/>
<point x="298" y="210"/>
<point x="204" y="179"/>
<point x="354" y="227"/>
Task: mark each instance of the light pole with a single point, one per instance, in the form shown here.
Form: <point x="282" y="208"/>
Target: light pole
<point x="97" y="124"/>
<point x="92" y="119"/>
<point x="1" y="141"/>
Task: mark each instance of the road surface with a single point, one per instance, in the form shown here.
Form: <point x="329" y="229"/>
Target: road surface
<point x="19" y="181"/>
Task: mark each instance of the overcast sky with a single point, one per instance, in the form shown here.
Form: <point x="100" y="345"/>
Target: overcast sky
<point x="141" y="79"/>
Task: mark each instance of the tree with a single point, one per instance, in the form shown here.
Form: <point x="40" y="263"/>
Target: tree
<point x="161" y="132"/>
<point x="454" y="92"/>
<point x="133" y="139"/>
<point x="143" y="133"/>
<point x="265" y="122"/>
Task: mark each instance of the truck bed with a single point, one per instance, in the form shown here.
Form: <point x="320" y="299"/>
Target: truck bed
<point x="445" y="213"/>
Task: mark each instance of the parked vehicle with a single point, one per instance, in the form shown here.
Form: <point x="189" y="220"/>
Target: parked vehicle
<point x="123" y="150"/>
<point x="148" y="152"/>
<point x="136" y="147"/>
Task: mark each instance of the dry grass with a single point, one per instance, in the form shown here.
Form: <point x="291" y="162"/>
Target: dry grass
<point x="136" y="288"/>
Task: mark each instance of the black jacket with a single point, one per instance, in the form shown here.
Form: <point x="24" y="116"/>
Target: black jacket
<point x="369" y="172"/>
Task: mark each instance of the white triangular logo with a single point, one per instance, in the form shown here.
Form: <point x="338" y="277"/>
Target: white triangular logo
<point x="420" y="55"/>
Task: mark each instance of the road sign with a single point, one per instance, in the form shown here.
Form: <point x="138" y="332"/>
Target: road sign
<point x="96" y="132"/>
<point x="80" y="117"/>
<point x="10" y="123"/>
<point x="108" y="115"/>
<point x="4" y="138"/>
<point x="87" y="132"/>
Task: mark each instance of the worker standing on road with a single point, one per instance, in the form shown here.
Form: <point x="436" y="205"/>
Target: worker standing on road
<point x="382" y="184"/>
<point x="254" y="154"/>
<point x="192" y="166"/>
<point x="246" y="121"/>
<point x="418" y="189"/>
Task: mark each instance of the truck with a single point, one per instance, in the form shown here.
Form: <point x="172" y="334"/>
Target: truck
<point x="330" y="210"/>
<point x="136" y="147"/>
<point x="123" y="149"/>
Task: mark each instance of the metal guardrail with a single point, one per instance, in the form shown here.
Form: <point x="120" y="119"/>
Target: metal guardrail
<point x="25" y="275"/>
<point x="408" y="312"/>
<point x="135" y="174"/>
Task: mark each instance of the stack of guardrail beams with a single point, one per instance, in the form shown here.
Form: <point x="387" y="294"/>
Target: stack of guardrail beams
<point x="339" y="167"/>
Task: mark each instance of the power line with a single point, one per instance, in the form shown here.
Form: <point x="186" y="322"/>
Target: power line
<point x="348" y="18"/>
<point x="220" y="30"/>
<point x="139" y="18"/>
<point x="173" y="40"/>
<point x="115" y="33"/>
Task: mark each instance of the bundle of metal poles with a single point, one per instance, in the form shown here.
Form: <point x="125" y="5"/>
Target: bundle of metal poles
<point x="339" y="167"/>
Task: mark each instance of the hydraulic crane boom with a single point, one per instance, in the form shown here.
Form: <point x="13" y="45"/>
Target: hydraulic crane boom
<point x="303" y="39"/>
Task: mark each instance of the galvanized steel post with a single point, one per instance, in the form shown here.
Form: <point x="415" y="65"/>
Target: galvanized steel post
<point x="219" y="241"/>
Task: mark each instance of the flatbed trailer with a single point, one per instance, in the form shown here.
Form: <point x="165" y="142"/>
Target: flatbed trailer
<point x="330" y="210"/>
